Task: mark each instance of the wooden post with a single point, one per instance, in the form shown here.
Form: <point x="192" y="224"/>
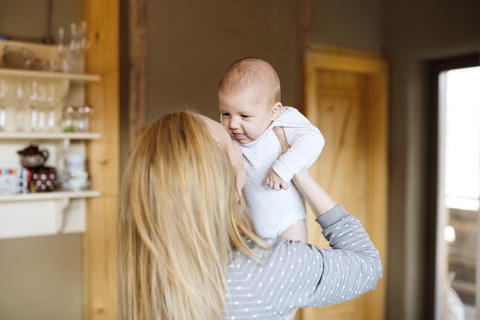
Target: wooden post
<point x="303" y="35"/>
<point x="102" y="18"/>
<point x="136" y="68"/>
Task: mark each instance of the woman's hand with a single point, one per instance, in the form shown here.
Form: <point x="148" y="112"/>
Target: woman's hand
<point x="280" y="133"/>
<point x="274" y="181"/>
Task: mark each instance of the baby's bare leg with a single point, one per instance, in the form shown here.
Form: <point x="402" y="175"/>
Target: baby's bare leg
<point x="291" y="316"/>
<point x="296" y="231"/>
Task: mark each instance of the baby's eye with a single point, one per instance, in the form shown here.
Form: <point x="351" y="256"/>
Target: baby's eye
<point x="244" y="116"/>
<point x="225" y="115"/>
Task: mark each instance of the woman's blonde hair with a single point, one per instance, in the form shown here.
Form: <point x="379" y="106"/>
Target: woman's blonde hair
<point x="179" y="221"/>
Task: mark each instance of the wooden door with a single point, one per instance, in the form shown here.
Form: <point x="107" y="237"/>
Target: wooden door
<point x="346" y="100"/>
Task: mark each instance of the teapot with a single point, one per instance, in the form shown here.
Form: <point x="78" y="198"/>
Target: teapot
<point x="32" y="156"/>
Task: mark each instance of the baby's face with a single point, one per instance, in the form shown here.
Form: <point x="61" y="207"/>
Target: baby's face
<point x="246" y="115"/>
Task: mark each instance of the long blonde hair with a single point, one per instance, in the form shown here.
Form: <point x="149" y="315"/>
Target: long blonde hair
<point x="179" y="221"/>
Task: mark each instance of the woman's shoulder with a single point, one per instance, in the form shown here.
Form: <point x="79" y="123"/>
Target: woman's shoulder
<point x="281" y="252"/>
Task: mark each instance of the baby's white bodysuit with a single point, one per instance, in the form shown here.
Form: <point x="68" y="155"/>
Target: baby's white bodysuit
<point x="274" y="211"/>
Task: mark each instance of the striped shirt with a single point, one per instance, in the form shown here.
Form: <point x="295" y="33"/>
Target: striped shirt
<point x="297" y="275"/>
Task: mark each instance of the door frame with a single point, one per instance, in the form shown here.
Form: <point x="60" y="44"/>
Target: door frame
<point x="434" y="299"/>
<point x="374" y="66"/>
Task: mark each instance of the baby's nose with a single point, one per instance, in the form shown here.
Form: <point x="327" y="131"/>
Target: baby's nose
<point x="234" y="124"/>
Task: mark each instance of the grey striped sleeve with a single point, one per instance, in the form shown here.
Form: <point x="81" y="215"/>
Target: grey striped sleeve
<point x="297" y="275"/>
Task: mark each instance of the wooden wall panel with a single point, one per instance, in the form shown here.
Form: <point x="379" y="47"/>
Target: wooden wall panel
<point x="102" y="18"/>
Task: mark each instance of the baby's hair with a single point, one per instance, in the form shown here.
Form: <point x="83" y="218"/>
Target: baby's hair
<point x="251" y="72"/>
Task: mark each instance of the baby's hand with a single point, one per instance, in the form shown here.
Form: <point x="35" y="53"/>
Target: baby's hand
<point x="275" y="182"/>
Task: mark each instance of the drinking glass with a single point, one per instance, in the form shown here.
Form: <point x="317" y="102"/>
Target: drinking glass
<point x="82" y="119"/>
<point x="32" y="93"/>
<point x="20" y="102"/>
<point x="4" y="88"/>
<point x="68" y="118"/>
<point x="56" y="92"/>
<point x="41" y="104"/>
<point x="37" y="93"/>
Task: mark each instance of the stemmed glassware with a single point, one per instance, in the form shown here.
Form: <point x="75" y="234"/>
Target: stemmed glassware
<point x="41" y="105"/>
<point x="4" y="88"/>
<point x="32" y="92"/>
<point x="72" y="55"/>
<point x="20" y="103"/>
<point x="37" y="97"/>
<point x="56" y="92"/>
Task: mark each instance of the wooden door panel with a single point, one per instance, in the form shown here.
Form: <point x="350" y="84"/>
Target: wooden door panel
<point x="341" y="168"/>
<point x="345" y="96"/>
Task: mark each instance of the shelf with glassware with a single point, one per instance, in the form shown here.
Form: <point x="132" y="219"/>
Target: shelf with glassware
<point x="74" y="77"/>
<point x="44" y="129"/>
<point x="49" y="136"/>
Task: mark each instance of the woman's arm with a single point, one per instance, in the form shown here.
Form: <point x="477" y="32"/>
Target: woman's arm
<point x="317" y="198"/>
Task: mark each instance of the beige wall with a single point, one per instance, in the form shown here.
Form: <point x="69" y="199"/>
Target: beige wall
<point x="191" y="43"/>
<point x="347" y="23"/>
<point x="26" y="20"/>
<point x="41" y="278"/>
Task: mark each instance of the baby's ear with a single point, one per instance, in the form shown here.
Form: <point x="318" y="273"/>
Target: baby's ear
<point x="276" y="109"/>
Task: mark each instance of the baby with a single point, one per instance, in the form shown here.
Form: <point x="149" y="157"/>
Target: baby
<point x="249" y="101"/>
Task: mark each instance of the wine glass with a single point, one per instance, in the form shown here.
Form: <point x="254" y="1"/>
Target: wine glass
<point x="56" y="92"/>
<point x="20" y="102"/>
<point x="4" y="88"/>
<point x="42" y="106"/>
<point x="78" y="46"/>
<point x="32" y="93"/>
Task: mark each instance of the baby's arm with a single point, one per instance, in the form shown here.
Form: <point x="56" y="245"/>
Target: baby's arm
<point x="306" y="143"/>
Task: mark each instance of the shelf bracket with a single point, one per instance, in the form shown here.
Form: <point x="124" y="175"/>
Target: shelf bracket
<point x="61" y="214"/>
<point x="63" y="146"/>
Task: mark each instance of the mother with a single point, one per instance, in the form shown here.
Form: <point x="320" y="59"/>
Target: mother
<point x="187" y="247"/>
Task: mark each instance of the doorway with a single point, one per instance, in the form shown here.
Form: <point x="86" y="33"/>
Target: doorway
<point x="454" y="185"/>
<point x="346" y="96"/>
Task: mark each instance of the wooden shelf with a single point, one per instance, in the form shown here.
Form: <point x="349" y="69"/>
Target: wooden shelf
<point x="58" y="195"/>
<point x="49" y="136"/>
<point x="75" y="77"/>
